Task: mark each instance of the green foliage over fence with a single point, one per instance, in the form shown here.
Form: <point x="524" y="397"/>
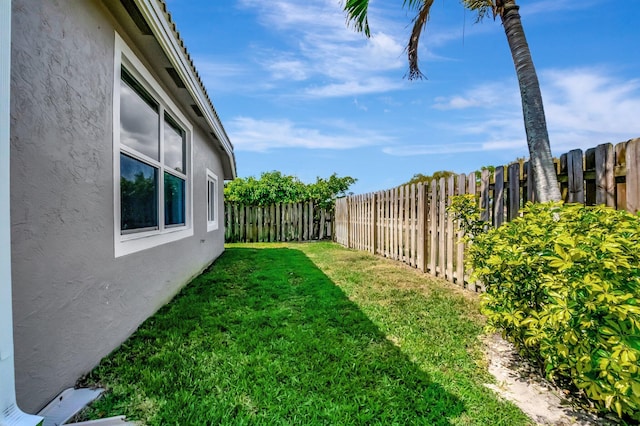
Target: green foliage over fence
<point x="426" y="179"/>
<point x="280" y="207"/>
<point x="274" y="188"/>
<point x="563" y="283"/>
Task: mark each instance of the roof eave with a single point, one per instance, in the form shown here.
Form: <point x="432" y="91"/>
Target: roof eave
<point x="156" y="15"/>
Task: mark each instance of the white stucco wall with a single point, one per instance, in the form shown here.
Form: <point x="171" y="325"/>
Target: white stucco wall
<point x="74" y="302"/>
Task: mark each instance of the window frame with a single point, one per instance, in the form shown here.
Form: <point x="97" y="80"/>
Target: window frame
<point x="133" y="241"/>
<point x="212" y="225"/>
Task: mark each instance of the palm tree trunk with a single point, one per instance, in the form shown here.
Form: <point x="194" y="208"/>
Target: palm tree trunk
<point x="541" y="162"/>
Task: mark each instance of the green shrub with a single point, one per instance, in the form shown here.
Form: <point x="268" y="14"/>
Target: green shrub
<point x="563" y="283"/>
<point x="465" y="210"/>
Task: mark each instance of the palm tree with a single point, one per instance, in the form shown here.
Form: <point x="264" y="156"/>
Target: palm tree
<point x="541" y="162"/>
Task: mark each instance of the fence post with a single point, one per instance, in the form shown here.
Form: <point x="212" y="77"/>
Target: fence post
<point x="374" y="223"/>
<point x="450" y="237"/>
<point x="300" y="209"/>
<point x="433" y="228"/>
<point x="459" y="277"/>
<point x="406" y="225"/>
<point x="513" y="197"/>
<point x="605" y="178"/>
<point x="620" y="167"/>
<point x="392" y="223"/>
<point x="422" y="238"/>
<point x="304" y="235"/>
<point x="575" y="177"/>
<point x="413" y="261"/>
<point x="321" y="226"/>
<point x="633" y="176"/>
<point x="227" y="224"/>
<point x="531" y="193"/>
<point x="398" y="209"/>
<point x="498" y="196"/>
<point x="348" y="208"/>
<point x="442" y="229"/>
<point x="386" y="211"/>
<point x="484" y="195"/>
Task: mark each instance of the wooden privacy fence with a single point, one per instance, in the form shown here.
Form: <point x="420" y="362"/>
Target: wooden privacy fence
<point x="410" y="223"/>
<point x="277" y="222"/>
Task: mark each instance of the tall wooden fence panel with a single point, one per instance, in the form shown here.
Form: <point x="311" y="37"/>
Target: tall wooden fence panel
<point x="411" y="223"/>
<point x="278" y="222"/>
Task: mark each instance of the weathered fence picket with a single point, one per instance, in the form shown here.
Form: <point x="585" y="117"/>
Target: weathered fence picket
<point x="411" y="224"/>
<point x="278" y="222"/>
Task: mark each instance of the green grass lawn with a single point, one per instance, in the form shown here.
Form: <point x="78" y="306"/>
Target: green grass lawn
<point x="294" y="334"/>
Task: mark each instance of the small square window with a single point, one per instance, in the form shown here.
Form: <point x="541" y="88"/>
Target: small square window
<point x="212" y="201"/>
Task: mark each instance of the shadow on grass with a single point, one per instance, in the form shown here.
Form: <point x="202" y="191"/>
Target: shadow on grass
<point x="265" y="337"/>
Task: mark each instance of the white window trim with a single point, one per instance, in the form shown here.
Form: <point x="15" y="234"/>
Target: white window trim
<point x="134" y="242"/>
<point x="212" y="177"/>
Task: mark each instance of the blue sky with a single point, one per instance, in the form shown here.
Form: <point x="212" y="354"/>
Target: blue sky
<point x="300" y="92"/>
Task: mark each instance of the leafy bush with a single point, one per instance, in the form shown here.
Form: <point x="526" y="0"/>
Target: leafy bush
<point x="464" y="209"/>
<point x="274" y="187"/>
<point x="563" y="283"/>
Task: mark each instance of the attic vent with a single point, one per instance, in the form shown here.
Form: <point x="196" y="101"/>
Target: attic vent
<point x="137" y="17"/>
<point x="196" y="110"/>
<point x="218" y="144"/>
<point x="175" y="77"/>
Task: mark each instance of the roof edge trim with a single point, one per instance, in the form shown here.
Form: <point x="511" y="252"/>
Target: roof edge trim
<point x="154" y="12"/>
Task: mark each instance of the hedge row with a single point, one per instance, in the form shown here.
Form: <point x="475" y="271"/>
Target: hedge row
<point x="563" y="284"/>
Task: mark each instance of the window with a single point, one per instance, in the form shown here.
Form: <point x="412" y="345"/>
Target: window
<point x="212" y="201"/>
<point x="152" y="145"/>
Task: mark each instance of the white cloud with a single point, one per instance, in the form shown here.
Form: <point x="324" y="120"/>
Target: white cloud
<point x="220" y="75"/>
<point x="287" y="14"/>
<point x="288" y="69"/>
<point x="385" y="49"/>
<point x="455" y="148"/>
<point x="584" y="107"/>
<point x="436" y="149"/>
<point x="488" y="95"/>
<point x="352" y="59"/>
<point x="360" y="106"/>
<point x="250" y="134"/>
<point x="352" y="87"/>
<point x="319" y="52"/>
<point x="321" y="46"/>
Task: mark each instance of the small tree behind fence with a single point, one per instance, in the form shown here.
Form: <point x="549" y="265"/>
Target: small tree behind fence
<point x="411" y="224"/>
<point x="276" y="222"/>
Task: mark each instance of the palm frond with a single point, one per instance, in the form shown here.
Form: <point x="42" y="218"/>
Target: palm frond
<point x="412" y="4"/>
<point x="482" y="7"/>
<point x="357" y="15"/>
<point x="419" y="25"/>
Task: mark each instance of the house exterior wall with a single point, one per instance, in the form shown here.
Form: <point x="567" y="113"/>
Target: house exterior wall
<point x="73" y="300"/>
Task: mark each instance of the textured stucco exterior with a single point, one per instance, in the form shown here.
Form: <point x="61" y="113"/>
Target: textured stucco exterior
<point x="73" y="300"/>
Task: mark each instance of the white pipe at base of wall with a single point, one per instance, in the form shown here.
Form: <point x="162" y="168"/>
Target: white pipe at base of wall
<point x="10" y="414"/>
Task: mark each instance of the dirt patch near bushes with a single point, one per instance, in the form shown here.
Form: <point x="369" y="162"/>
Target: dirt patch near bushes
<point x="521" y="384"/>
